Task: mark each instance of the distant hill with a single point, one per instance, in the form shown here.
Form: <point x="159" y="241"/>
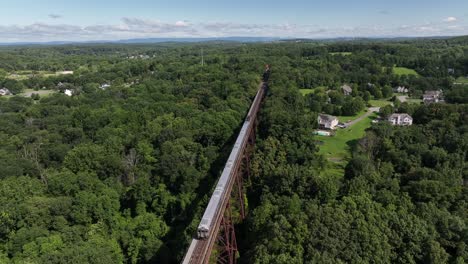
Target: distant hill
<point x="459" y="40"/>
<point x="150" y="40"/>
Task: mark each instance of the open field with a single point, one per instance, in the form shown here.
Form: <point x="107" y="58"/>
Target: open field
<point x="338" y="147"/>
<point x="341" y="53"/>
<point x="404" y="71"/>
<point x="306" y="91"/>
<point x="461" y="80"/>
<point x="23" y="75"/>
<point x="29" y="92"/>
<point x="42" y="93"/>
<point x="344" y="119"/>
<point x="379" y="103"/>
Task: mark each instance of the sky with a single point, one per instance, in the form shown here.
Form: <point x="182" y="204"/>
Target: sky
<point x="85" y="20"/>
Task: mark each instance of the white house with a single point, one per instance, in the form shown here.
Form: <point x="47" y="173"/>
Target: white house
<point x="400" y="120"/>
<point x="68" y="92"/>
<point x="400" y="89"/>
<point x="327" y="121"/>
<point x="5" y="91"/>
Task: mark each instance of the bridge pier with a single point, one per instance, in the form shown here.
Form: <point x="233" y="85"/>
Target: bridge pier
<point x="227" y="239"/>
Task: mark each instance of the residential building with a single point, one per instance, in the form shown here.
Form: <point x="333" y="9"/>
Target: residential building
<point x="432" y="97"/>
<point x="5" y="91"/>
<point x="327" y="121"/>
<point x="400" y="120"/>
<point x="400" y="89"/>
<point x="347" y="90"/>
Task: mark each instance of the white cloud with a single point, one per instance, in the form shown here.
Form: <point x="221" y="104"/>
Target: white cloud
<point x="450" y="19"/>
<point x="181" y="23"/>
<point x="147" y="28"/>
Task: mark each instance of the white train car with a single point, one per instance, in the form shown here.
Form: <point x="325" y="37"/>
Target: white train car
<point x="220" y="192"/>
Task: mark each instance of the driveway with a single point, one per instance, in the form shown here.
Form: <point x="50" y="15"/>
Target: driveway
<point x="370" y="110"/>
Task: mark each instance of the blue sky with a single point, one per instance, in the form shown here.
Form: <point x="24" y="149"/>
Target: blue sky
<point x="27" y="20"/>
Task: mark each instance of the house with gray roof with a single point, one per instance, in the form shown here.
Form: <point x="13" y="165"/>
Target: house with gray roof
<point x="327" y="121"/>
<point x="5" y="91"/>
<point x="430" y="97"/>
<point x="347" y="90"/>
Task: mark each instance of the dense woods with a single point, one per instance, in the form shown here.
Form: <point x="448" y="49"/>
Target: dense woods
<point x="120" y="173"/>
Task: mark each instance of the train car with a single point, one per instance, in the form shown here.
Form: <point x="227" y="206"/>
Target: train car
<point x="224" y="182"/>
<point x="221" y="188"/>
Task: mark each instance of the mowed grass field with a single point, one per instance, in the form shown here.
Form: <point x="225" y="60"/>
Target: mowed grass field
<point x="404" y="71"/>
<point x="341" y="53"/>
<point x="344" y="119"/>
<point x="305" y="92"/>
<point x="337" y="148"/>
<point x="379" y="103"/>
<point x="462" y="80"/>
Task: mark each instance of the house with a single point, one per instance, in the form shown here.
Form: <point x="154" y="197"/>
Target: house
<point x="432" y="97"/>
<point x="104" y="86"/>
<point x="327" y="121"/>
<point x="400" y="89"/>
<point x="5" y="91"/>
<point x="400" y="120"/>
<point x="347" y="90"/>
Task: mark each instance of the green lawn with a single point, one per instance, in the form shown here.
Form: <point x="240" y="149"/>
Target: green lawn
<point x="379" y="103"/>
<point x="414" y="101"/>
<point x="42" y="93"/>
<point x="341" y="53"/>
<point x="404" y="71"/>
<point x="344" y="119"/>
<point x="24" y="75"/>
<point x="337" y="147"/>
<point x="462" y="80"/>
<point x="306" y="91"/>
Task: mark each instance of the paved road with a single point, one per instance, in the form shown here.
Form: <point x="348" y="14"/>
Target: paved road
<point x="370" y="110"/>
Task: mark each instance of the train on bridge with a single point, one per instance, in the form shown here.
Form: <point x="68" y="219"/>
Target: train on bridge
<point x="214" y="215"/>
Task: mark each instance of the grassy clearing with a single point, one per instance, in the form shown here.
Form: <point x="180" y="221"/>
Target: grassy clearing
<point x="414" y="101"/>
<point x="404" y="71"/>
<point x="309" y="91"/>
<point x="379" y="103"/>
<point x="344" y="119"/>
<point x="461" y="80"/>
<point x="341" y="53"/>
<point x="305" y="92"/>
<point x="23" y="75"/>
<point x="42" y="93"/>
<point x="338" y="147"/>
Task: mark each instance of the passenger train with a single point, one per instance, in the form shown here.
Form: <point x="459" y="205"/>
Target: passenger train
<point x="227" y="176"/>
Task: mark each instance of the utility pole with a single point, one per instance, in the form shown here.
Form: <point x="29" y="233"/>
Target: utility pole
<point x="202" y="58"/>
